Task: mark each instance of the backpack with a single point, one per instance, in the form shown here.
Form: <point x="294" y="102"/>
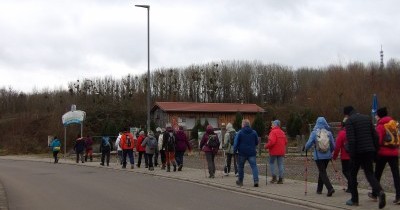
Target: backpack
<point x="106" y="141"/>
<point x="153" y="143"/>
<point x="212" y="141"/>
<point x="391" y="138"/>
<point x="323" y="143"/>
<point x="128" y="141"/>
<point x="171" y="141"/>
<point x="232" y="135"/>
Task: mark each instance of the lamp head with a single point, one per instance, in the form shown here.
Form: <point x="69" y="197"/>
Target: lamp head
<point x="144" y="6"/>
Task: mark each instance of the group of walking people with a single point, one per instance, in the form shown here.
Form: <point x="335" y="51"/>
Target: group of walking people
<point x="359" y="144"/>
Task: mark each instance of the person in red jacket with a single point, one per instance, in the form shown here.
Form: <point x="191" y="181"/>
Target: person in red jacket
<point x="127" y="143"/>
<point x="386" y="154"/>
<point x="276" y="145"/>
<point x="340" y="147"/>
<point x="141" y="149"/>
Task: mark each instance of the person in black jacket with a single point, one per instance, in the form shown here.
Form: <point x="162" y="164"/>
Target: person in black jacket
<point x="79" y="148"/>
<point x="363" y="147"/>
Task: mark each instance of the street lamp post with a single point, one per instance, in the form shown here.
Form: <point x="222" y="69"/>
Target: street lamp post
<point x="148" y="64"/>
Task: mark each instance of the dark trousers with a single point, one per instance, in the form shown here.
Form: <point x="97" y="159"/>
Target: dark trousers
<point x="119" y="153"/>
<point x="129" y="153"/>
<point x="363" y="160"/>
<point x="155" y="159"/>
<point x="150" y="158"/>
<point x="163" y="157"/>
<point x="394" y="167"/>
<point x="146" y="161"/>
<point x="210" y="157"/>
<point x="105" y="154"/>
<point x="55" y="153"/>
<point x="346" y="171"/>
<point x="323" y="178"/>
<point x="179" y="157"/>
<point x="79" y="155"/>
<point x="229" y="161"/>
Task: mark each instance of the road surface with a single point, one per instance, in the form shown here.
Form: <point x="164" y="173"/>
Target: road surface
<point x="40" y="185"/>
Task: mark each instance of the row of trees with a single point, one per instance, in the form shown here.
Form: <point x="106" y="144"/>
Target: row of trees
<point x="295" y="96"/>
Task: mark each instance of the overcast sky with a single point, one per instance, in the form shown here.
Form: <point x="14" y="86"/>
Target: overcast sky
<point x="48" y="43"/>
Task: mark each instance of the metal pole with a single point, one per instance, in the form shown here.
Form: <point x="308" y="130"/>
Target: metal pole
<point x="148" y="69"/>
<point x="148" y="63"/>
<point x="65" y="141"/>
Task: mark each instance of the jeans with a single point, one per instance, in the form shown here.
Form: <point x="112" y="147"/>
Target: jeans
<point x="179" y="157"/>
<point x="146" y="161"/>
<point x="363" y="160"/>
<point x="126" y="152"/>
<point x="279" y="160"/>
<point x="253" y="165"/>
<point x="323" y="178"/>
<point x="394" y="168"/>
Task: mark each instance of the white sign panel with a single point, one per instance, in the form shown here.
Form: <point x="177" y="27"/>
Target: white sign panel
<point x="73" y="117"/>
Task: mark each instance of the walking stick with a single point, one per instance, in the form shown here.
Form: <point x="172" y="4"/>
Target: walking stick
<point x="305" y="174"/>
<point x="266" y="171"/>
<point x="338" y="176"/>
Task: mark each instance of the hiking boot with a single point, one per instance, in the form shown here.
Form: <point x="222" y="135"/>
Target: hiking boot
<point x="330" y="192"/>
<point x="256" y="184"/>
<point x="168" y="169"/>
<point x="372" y="196"/>
<point x="132" y="166"/>
<point x="102" y="164"/>
<point x="396" y="201"/>
<point x="273" y="180"/>
<point x="280" y="181"/>
<point x="351" y="203"/>
<point x="86" y="158"/>
<point x="382" y="200"/>
<point x="180" y="167"/>
<point x="174" y="168"/>
<point x="163" y="167"/>
<point x="319" y="192"/>
<point x="239" y="183"/>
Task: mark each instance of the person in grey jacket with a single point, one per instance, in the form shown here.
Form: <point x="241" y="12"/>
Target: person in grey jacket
<point x="363" y="147"/>
<point x="151" y="144"/>
<point x="229" y="138"/>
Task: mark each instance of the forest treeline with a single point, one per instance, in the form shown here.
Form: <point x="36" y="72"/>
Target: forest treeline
<point x="292" y="95"/>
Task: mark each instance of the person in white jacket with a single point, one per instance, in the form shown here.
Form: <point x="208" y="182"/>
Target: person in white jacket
<point x="161" y="149"/>
<point x="119" y="149"/>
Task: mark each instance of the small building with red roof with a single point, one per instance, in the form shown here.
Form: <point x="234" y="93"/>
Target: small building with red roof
<point x="187" y="113"/>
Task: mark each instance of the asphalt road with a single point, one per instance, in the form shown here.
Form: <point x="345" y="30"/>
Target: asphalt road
<point x="38" y="185"/>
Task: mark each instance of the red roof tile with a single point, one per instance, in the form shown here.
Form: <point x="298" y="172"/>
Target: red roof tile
<point x="207" y="107"/>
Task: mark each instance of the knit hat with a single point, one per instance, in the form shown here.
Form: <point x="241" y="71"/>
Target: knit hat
<point x="276" y="123"/>
<point x="347" y="110"/>
<point x="382" y="112"/>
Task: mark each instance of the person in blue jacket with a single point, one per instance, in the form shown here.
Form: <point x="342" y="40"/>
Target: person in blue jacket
<point x="55" y="146"/>
<point x="322" y="152"/>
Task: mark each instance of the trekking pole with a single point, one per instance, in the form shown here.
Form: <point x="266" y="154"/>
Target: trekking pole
<point x="204" y="164"/>
<point x="266" y="171"/>
<point x="338" y="176"/>
<point x="305" y="174"/>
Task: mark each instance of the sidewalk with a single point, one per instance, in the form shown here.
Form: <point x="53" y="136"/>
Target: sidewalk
<point x="292" y="191"/>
